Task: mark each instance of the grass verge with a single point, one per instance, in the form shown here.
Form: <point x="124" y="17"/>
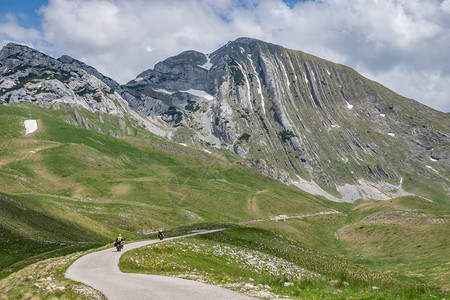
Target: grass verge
<point x="45" y="280"/>
<point x="263" y="264"/>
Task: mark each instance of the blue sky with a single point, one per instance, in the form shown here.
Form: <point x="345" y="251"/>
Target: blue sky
<point x="24" y="10"/>
<point x="404" y="45"/>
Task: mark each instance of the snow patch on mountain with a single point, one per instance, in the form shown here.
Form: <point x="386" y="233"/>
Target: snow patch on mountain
<point x="313" y="76"/>
<point x="163" y="91"/>
<point x="30" y="126"/>
<point x="432" y="169"/>
<point x="288" y="84"/>
<point x="208" y="65"/>
<point x="199" y="93"/>
<point x="248" y="99"/>
<point x="305" y="78"/>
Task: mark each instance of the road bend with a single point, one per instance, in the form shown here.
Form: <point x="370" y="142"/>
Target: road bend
<point x="100" y="270"/>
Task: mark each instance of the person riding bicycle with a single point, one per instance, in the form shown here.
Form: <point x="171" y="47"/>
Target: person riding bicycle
<point x="161" y="234"/>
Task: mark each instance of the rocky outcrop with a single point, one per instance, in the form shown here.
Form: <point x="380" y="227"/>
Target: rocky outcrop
<point x="27" y="75"/>
<point x="290" y="114"/>
<point x="30" y="76"/>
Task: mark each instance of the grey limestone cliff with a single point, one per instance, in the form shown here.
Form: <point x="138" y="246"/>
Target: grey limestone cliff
<point x="299" y="119"/>
<point x="27" y="75"/>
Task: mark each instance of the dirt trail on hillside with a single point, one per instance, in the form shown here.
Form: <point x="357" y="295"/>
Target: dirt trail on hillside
<point x="252" y="206"/>
<point x="100" y="270"/>
<point x="286" y="217"/>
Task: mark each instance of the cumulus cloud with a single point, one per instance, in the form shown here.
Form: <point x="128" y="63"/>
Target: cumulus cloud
<point x="429" y="87"/>
<point x="123" y="38"/>
<point x="12" y="31"/>
<point x="402" y="44"/>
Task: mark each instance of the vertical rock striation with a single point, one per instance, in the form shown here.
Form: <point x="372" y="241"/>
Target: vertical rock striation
<point x="290" y="115"/>
<point x="297" y="118"/>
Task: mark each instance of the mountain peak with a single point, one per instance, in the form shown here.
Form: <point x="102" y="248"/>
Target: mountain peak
<point x="12" y="49"/>
<point x="329" y="125"/>
<point x="13" y="55"/>
<point x="12" y="45"/>
<point x="31" y="76"/>
<point x="247" y="40"/>
<point x="190" y="57"/>
<point x="246" y="46"/>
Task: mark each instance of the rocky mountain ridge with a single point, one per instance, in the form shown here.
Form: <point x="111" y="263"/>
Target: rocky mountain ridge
<point x="291" y="116"/>
<point x="297" y="118"/>
<point x="27" y="75"/>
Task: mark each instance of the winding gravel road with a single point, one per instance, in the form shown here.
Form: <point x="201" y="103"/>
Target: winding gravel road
<point x="100" y="270"/>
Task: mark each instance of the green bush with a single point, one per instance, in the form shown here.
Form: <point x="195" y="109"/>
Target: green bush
<point x="192" y="106"/>
<point x="237" y="75"/>
<point x="244" y="137"/>
<point x="286" y="135"/>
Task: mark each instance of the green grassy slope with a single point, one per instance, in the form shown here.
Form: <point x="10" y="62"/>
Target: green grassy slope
<point x="66" y="184"/>
<point x="263" y="264"/>
<point x="65" y="188"/>
<point x="406" y="235"/>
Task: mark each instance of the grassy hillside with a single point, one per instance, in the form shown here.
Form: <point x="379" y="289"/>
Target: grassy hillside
<point x="400" y="247"/>
<point x="64" y="188"/>
<point x="35" y="228"/>
<point x="406" y="235"/>
<point x="66" y="184"/>
<point x="260" y="263"/>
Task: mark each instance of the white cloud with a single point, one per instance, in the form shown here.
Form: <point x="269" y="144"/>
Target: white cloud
<point x="123" y="38"/>
<point x="428" y="87"/>
<point x="445" y="6"/>
<point x="402" y="44"/>
<point x="11" y="31"/>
